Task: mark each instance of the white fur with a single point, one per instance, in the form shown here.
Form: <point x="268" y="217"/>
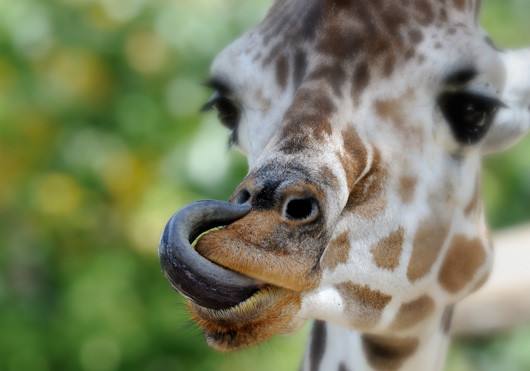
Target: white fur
<point x="512" y="122"/>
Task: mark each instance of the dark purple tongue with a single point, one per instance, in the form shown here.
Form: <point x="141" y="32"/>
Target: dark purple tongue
<point x="205" y="283"/>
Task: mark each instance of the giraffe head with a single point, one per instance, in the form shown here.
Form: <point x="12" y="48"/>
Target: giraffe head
<point x="364" y="123"/>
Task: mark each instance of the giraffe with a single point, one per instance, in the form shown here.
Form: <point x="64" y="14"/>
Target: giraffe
<point x="364" y="123"/>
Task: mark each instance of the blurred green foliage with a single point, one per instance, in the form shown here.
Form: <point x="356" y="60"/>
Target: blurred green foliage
<point x="100" y="142"/>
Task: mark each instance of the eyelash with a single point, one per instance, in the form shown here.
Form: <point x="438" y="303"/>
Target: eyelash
<point x="227" y="110"/>
<point x="469" y="115"/>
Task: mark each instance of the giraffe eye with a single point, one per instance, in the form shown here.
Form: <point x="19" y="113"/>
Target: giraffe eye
<point x="227" y="110"/>
<point x="469" y="115"/>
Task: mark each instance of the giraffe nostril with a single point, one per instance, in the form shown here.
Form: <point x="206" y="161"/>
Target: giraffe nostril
<point x="301" y="210"/>
<point x="243" y="197"/>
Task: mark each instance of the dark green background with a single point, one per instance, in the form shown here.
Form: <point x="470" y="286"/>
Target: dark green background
<point x="100" y="141"/>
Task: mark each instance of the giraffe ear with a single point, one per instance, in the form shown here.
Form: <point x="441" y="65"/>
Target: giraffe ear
<point x="512" y="121"/>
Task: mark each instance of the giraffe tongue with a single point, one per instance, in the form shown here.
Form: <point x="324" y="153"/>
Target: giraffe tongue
<point x="205" y="283"/>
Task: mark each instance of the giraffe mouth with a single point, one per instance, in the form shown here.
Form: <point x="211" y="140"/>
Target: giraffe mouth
<point x="203" y="282"/>
<point x="218" y="255"/>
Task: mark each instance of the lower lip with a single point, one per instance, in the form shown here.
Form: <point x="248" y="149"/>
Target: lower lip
<point x="257" y="302"/>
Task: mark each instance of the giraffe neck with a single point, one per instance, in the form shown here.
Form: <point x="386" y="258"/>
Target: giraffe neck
<point x="335" y="348"/>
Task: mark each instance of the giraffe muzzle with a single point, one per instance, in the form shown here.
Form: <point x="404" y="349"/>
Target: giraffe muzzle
<point x="197" y="278"/>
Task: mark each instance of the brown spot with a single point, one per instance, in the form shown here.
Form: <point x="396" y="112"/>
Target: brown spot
<point x="282" y="71"/>
<point x="413" y="312"/>
<point x="294" y="144"/>
<point x="447" y="318"/>
<point x="300" y="67"/>
<point x="339" y="41"/>
<point x="307" y="120"/>
<point x="297" y="137"/>
<point x="389" y="110"/>
<point x="425" y="12"/>
<point x="443" y="15"/>
<point x="394" y="17"/>
<point x="369" y="210"/>
<point x="367" y="198"/>
<point x="324" y="105"/>
<point x="364" y="296"/>
<point x="460" y="4"/>
<point x="264" y="102"/>
<point x="320" y="129"/>
<point x="394" y="111"/>
<point x="390" y="64"/>
<point x="328" y="178"/>
<point x="428" y="242"/>
<point x="415" y="36"/>
<point x="366" y="305"/>
<point x="337" y="252"/>
<point x="474" y="204"/>
<point x="354" y="156"/>
<point x="409" y="54"/>
<point x="311" y="21"/>
<point x="273" y="55"/>
<point x="407" y="188"/>
<point x="462" y="261"/>
<point x="388" y="251"/>
<point x="335" y="5"/>
<point x="388" y="353"/>
<point x="334" y="75"/>
<point x="361" y="79"/>
<point x="310" y="104"/>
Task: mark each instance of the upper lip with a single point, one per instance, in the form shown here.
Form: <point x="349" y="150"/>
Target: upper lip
<point x="204" y="282"/>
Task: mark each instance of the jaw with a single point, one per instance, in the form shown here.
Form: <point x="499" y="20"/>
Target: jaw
<point x="269" y="312"/>
<point x="285" y="272"/>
